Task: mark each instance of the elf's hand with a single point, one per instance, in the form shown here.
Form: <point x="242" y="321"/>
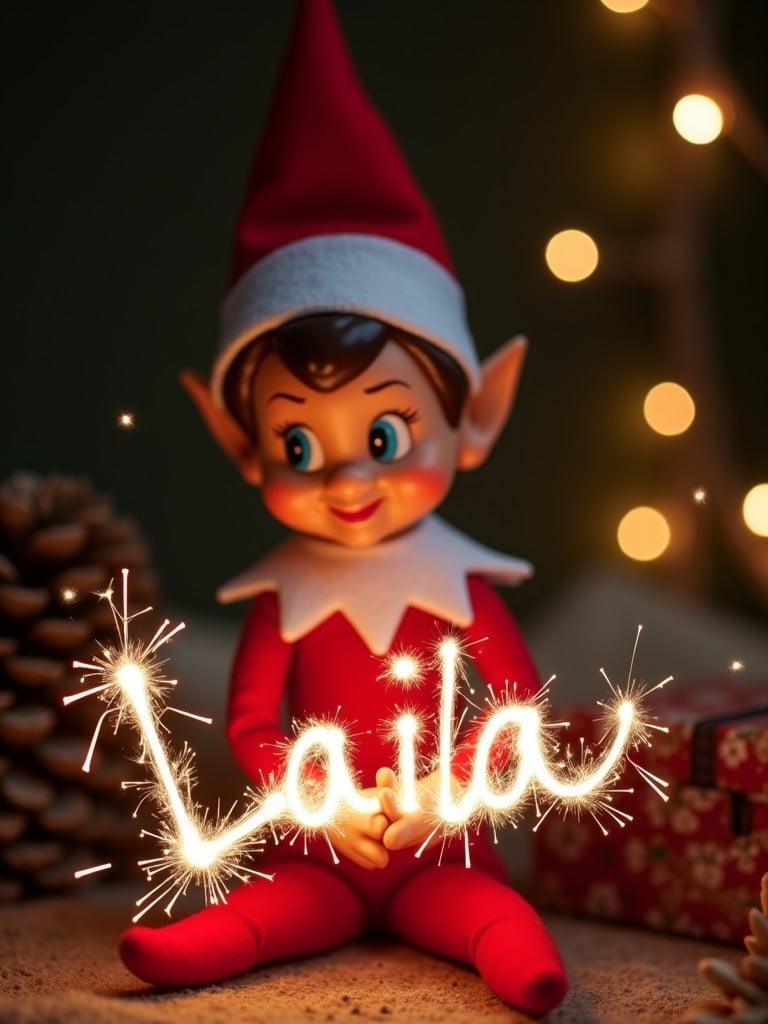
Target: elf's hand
<point x="411" y="828"/>
<point x="358" y="836"/>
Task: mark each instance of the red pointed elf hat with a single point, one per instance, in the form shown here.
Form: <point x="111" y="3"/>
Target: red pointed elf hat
<point x="333" y="219"/>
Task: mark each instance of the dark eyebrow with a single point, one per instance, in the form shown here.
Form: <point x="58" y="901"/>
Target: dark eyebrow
<point x="385" y="384"/>
<point x="284" y="394"/>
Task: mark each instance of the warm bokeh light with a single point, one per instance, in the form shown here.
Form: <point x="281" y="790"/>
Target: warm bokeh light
<point x="698" y="119"/>
<point x="643" y="534"/>
<point x="126" y="420"/>
<point x="624" y="6"/>
<point x="737" y="666"/>
<point x="755" y="510"/>
<point x="700" y="496"/>
<point x="668" y="409"/>
<point x="571" y="255"/>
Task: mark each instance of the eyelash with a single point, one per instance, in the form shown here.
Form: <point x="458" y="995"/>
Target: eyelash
<point x="283" y="428"/>
<point x="409" y="415"/>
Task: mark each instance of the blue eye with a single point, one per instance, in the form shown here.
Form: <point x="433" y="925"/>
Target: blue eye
<point x="389" y="438"/>
<point x="302" y="449"/>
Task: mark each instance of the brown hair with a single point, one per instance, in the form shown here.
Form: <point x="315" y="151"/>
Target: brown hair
<point x="327" y="350"/>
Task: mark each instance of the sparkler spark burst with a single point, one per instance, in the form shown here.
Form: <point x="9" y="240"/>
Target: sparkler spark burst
<point x="516" y="759"/>
<point x="403" y="669"/>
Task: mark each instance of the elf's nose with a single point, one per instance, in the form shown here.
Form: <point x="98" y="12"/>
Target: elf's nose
<point x="350" y="482"/>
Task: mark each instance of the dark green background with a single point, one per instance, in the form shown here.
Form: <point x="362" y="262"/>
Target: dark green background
<point x="128" y="129"/>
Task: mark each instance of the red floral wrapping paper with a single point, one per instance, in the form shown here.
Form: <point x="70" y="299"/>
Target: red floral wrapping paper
<point x="691" y="865"/>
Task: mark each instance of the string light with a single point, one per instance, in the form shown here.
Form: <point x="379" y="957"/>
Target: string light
<point x="126" y="420"/>
<point x="199" y="850"/>
<point x="624" y="6"/>
<point x="669" y="409"/>
<point x="643" y="534"/>
<point x="755" y="510"/>
<point x="700" y="496"/>
<point x="698" y="119"/>
<point x="572" y="255"/>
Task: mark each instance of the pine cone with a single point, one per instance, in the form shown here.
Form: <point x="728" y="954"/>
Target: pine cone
<point x="59" y="543"/>
<point x="745" y="987"/>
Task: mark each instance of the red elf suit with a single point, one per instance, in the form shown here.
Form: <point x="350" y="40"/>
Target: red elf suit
<point x="334" y="221"/>
<point x="320" y="629"/>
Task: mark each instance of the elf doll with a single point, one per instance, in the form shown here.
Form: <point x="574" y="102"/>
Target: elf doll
<point x="347" y="388"/>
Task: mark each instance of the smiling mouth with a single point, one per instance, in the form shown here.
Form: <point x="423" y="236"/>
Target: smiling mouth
<point x="357" y="515"/>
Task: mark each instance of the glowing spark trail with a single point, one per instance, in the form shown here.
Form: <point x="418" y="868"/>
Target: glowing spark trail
<point x="195" y="850"/>
<point x="92" y="871"/>
<point x="514" y="758"/>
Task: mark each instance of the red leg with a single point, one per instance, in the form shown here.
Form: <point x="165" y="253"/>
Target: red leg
<point x="467" y="915"/>
<point x="308" y="908"/>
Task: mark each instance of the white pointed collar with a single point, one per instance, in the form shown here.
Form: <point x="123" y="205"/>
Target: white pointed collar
<point x="425" y="568"/>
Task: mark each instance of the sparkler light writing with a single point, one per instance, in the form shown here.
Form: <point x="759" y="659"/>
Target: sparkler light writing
<point x="196" y="849"/>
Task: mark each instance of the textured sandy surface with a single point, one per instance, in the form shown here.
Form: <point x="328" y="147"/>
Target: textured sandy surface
<point x="58" y="963"/>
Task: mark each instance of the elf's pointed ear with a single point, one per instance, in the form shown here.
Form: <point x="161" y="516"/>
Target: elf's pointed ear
<point x="228" y="434"/>
<point x="488" y="409"/>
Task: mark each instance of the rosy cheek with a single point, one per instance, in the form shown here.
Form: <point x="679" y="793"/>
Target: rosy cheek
<point x="285" y="494"/>
<point x="426" y="479"/>
<point x="424" y="485"/>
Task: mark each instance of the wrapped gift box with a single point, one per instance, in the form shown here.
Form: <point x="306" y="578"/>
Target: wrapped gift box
<point x="693" y="864"/>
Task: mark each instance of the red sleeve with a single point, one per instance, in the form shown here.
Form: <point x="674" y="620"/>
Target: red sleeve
<point x="257" y="685"/>
<point x="496" y="645"/>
